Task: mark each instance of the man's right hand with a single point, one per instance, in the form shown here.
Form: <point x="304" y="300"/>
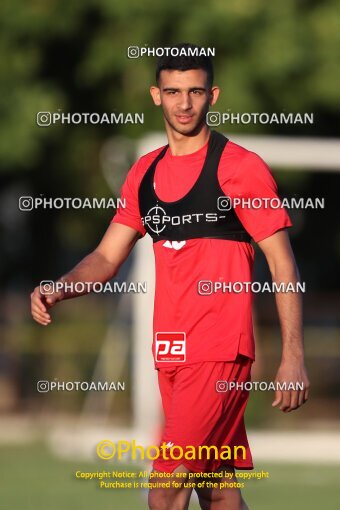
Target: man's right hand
<point x="41" y="302"/>
<point x="99" y="266"/>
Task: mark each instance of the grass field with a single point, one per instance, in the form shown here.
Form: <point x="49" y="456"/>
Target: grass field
<point x="32" y="479"/>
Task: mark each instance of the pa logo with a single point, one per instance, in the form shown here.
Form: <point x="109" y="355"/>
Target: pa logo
<point x="170" y="346"/>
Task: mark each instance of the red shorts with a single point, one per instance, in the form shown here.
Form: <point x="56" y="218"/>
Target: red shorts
<point x="198" y="413"/>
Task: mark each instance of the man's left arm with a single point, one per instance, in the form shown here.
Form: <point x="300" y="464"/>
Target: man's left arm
<point x="283" y="268"/>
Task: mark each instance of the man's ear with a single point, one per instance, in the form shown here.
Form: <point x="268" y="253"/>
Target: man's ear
<point x="214" y="93"/>
<point x="156" y="95"/>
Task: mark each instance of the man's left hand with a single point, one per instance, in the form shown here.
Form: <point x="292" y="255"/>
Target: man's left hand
<point x="291" y="372"/>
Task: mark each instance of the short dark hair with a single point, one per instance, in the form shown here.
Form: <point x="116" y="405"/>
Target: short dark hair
<point x="185" y="62"/>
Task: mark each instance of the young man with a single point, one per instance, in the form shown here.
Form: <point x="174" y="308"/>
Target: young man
<point x="174" y="194"/>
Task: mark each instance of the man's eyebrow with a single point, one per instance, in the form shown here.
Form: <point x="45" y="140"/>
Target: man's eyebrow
<point x="166" y="89"/>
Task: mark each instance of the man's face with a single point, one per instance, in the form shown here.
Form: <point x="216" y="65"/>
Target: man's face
<point x="185" y="98"/>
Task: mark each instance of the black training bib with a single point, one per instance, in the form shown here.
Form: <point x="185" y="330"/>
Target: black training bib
<point x="202" y="213"/>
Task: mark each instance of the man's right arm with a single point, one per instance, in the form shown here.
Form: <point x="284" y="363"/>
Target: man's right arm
<point x="99" y="266"/>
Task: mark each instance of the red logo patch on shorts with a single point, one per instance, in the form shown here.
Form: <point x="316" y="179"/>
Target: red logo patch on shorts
<point x="170" y="346"/>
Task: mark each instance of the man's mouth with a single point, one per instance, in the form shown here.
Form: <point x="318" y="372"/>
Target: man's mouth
<point x="184" y="119"/>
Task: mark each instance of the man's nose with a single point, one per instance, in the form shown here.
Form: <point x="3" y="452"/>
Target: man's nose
<point x="185" y="102"/>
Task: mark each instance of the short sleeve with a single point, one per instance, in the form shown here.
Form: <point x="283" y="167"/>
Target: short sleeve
<point x="130" y="215"/>
<point x="261" y="212"/>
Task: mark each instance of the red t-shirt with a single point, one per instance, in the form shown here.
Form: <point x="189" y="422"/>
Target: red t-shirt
<point x="218" y="326"/>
